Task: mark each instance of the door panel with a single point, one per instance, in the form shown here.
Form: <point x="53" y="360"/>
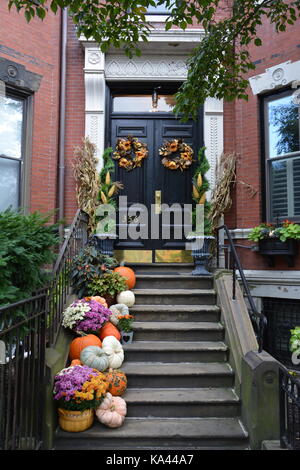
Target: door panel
<point x="176" y="185"/>
<point x="136" y="182"/>
<point x="140" y="184"/>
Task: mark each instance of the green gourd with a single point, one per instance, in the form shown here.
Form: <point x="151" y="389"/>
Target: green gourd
<point x="94" y="357"/>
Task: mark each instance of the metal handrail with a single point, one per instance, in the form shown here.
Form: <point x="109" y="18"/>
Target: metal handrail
<point x="258" y="319"/>
<point x="60" y="287"/>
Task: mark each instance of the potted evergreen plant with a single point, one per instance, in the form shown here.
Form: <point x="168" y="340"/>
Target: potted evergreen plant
<point x="202" y="239"/>
<point x="105" y="231"/>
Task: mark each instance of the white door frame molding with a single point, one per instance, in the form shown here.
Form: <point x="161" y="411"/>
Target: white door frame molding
<point x="163" y="58"/>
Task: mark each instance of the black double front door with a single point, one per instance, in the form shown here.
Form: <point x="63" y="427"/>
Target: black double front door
<point x="152" y="184"/>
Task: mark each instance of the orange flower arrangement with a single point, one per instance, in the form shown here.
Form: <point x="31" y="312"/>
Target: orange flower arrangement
<point x="177" y="155"/>
<point x="130" y="153"/>
<point x="125" y="322"/>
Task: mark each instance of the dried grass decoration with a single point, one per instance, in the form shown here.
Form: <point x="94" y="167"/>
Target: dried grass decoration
<point x="87" y="179"/>
<point x="177" y="155"/>
<point x="130" y="153"/>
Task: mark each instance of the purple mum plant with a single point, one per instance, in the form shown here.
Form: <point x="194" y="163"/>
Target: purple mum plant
<point x="85" y="316"/>
<point x="79" y="388"/>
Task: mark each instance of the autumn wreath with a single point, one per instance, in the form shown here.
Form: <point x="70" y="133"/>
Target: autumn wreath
<point x="177" y="155"/>
<point x="130" y="153"/>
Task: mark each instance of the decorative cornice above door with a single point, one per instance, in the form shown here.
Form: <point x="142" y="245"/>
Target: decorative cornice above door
<point x="146" y="67"/>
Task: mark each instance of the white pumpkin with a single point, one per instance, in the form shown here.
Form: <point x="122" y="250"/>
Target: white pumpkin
<point x="126" y="297"/>
<point x="113" y="348"/>
<point x="112" y="411"/>
<point x="94" y="357"/>
<point x="117" y="309"/>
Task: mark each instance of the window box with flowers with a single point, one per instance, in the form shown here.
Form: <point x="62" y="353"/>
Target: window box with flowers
<point x="273" y="240"/>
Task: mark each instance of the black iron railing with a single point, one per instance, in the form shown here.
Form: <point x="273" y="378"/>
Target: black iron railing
<point x="60" y="287"/>
<point x="259" y="321"/>
<point x="289" y="405"/>
<point x="22" y="373"/>
<point x="26" y="329"/>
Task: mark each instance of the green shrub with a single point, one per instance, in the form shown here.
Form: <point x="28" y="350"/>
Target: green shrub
<point x="26" y="243"/>
<point x="108" y="284"/>
<point x="89" y="264"/>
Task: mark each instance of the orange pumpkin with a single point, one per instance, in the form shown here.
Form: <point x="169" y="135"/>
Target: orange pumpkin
<point x="76" y="362"/>
<point x="128" y="275"/>
<point x="117" y="382"/>
<point x="78" y="344"/>
<point x="98" y="299"/>
<point x="108" y="329"/>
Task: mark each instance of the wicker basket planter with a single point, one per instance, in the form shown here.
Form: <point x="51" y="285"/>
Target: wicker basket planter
<point x="75" y="421"/>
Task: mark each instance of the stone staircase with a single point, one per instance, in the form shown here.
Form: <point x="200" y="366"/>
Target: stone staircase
<point x="180" y="386"/>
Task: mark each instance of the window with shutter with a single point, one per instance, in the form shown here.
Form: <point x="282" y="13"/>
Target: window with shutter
<point x="282" y="157"/>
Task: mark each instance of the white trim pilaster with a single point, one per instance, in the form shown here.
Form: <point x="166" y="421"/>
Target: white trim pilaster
<point x="94" y="80"/>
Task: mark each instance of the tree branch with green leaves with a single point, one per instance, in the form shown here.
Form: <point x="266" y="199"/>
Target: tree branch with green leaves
<point x="218" y="66"/>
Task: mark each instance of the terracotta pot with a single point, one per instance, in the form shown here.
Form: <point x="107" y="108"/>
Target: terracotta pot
<point x="75" y="421"/>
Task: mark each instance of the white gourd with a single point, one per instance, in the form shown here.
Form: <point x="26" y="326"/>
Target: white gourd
<point x="112" y="411"/>
<point x="117" y="309"/>
<point x="126" y="297"/>
<point x="113" y="348"/>
<point x="95" y="357"/>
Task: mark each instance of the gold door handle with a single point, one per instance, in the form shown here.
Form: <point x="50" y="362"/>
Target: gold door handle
<point x="157" y="202"/>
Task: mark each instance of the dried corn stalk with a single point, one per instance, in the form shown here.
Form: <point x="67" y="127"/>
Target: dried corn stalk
<point x="225" y="177"/>
<point x="87" y="179"/>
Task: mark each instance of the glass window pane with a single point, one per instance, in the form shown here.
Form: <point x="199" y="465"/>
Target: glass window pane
<point x="9" y="183"/>
<point x="11" y="120"/>
<point x="283" y="126"/>
<point x="142" y="103"/>
<point x="157" y="9"/>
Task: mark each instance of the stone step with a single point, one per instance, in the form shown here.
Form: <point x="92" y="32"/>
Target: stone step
<point x="161" y="268"/>
<point x="174" y="296"/>
<point x="170" y="351"/>
<point x="186" y="433"/>
<point x="182" y="313"/>
<point x="181" y="402"/>
<point x="173" y="281"/>
<point x="177" y="331"/>
<point x="170" y="375"/>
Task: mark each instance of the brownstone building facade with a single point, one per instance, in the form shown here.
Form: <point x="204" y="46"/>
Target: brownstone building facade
<point x="60" y="88"/>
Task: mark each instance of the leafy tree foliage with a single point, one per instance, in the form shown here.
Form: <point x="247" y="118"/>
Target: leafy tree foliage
<point x="217" y="66"/>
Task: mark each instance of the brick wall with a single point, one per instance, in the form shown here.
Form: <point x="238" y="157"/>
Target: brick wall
<point x="36" y="46"/>
<point x="75" y="115"/>
<point x="242" y="134"/>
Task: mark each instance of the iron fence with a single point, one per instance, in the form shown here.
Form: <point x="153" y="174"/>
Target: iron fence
<point x="283" y="315"/>
<point x="22" y="373"/>
<point x="289" y="396"/>
<point x="26" y="329"/>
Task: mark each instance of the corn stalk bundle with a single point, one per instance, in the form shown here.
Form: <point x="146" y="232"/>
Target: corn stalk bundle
<point x="87" y="179"/>
<point x="225" y="177"/>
